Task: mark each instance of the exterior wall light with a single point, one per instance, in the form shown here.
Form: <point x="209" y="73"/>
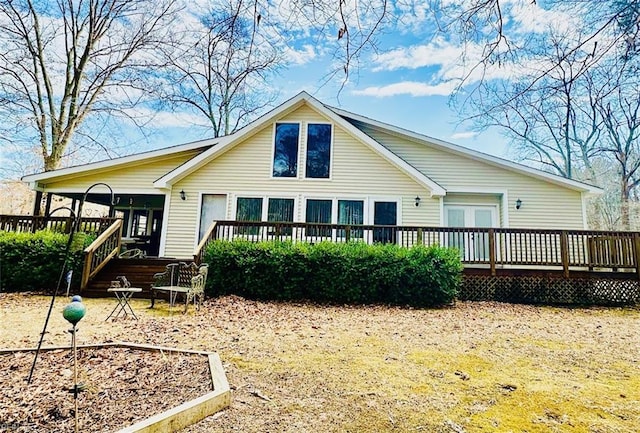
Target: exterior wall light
<point x="183" y="195"/>
<point x="518" y="204"/>
<point x="417" y="203"/>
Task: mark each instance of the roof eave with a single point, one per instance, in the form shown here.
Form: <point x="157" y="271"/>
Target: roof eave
<point x="34" y="179"/>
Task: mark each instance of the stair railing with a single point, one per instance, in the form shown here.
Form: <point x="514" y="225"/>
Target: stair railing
<point x="104" y="248"/>
<point x="209" y="236"/>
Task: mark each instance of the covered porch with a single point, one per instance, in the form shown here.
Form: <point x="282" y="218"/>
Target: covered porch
<point x="141" y="215"/>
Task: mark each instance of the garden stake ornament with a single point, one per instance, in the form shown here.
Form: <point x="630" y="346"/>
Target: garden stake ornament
<point x="73" y="313"/>
<point x="74" y="228"/>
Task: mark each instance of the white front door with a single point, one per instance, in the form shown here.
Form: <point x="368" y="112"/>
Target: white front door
<point x="214" y="208"/>
<point x="473" y="246"/>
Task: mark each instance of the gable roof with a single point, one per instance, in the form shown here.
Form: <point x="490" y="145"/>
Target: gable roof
<point x="212" y="148"/>
<point x="124" y="160"/>
<point x="289" y="106"/>
<point x="469" y="153"/>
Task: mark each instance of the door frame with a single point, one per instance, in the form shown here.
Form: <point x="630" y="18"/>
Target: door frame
<point x="469" y="248"/>
<point x="371" y="209"/>
<point x="466" y="207"/>
<point x="200" y="203"/>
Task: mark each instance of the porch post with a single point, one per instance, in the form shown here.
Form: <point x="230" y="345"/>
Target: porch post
<point x="47" y="208"/>
<point x="36" y="203"/>
<point x="492" y="251"/>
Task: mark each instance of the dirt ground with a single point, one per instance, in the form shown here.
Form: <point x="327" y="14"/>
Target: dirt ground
<point x="472" y="367"/>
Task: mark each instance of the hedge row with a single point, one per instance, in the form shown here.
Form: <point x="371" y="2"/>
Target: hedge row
<point x="33" y="261"/>
<point x="335" y="273"/>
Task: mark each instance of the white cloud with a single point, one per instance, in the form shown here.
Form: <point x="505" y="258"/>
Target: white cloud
<point x="435" y="53"/>
<point x="529" y="17"/>
<point x="411" y="88"/>
<point x="463" y="135"/>
<point x="300" y="57"/>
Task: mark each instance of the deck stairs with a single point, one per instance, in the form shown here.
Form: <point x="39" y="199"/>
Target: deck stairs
<point x="139" y="272"/>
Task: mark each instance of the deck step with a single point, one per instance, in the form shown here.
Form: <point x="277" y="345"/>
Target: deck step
<point x="139" y="272"/>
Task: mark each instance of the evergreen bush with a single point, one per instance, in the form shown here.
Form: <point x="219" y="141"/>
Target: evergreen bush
<point x="33" y="261"/>
<point x="353" y="272"/>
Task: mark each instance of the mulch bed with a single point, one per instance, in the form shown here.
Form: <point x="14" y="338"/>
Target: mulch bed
<point x="121" y="387"/>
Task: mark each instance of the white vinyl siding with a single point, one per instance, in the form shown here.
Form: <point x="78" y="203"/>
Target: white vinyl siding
<point x="545" y="205"/>
<point x="135" y="177"/>
<point x="357" y="173"/>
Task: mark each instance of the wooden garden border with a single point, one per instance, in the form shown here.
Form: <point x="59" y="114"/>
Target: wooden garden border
<point x="180" y="416"/>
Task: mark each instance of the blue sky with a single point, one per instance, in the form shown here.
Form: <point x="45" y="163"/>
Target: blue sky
<point x="391" y="96"/>
<point x="408" y="82"/>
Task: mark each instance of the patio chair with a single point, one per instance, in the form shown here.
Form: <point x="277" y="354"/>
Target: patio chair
<point x="197" y="286"/>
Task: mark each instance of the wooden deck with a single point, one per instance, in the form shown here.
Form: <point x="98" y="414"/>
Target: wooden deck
<point x="569" y="267"/>
<point x="514" y="265"/>
<point x="487" y="250"/>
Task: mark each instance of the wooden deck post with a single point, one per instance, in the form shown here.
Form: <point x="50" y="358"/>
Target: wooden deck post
<point x="636" y="252"/>
<point x="564" y="252"/>
<point x="86" y="269"/>
<point x="492" y="251"/>
<point x="419" y="240"/>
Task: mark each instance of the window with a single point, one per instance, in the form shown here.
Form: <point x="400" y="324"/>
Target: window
<point x="249" y="209"/>
<point x="285" y="150"/>
<point x="318" y="150"/>
<point x="351" y="212"/>
<point x="281" y="210"/>
<point x="318" y="211"/>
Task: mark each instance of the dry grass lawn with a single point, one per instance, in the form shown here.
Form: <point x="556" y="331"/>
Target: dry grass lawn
<point x="473" y="367"/>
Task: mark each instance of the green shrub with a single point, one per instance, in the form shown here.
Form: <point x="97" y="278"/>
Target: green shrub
<point x="335" y="273"/>
<point x="33" y="261"/>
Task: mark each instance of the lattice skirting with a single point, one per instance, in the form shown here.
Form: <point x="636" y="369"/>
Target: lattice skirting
<point x="549" y="290"/>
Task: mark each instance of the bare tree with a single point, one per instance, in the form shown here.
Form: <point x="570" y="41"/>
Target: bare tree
<point x="601" y="28"/>
<point x="352" y="26"/>
<point x="62" y="61"/>
<point x="621" y="123"/>
<point x="220" y="66"/>
<point x="555" y="122"/>
<point x="579" y="120"/>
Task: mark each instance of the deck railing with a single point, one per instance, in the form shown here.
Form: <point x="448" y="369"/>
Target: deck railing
<point x="31" y="224"/>
<point x="104" y="248"/>
<point x="488" y="247"/>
